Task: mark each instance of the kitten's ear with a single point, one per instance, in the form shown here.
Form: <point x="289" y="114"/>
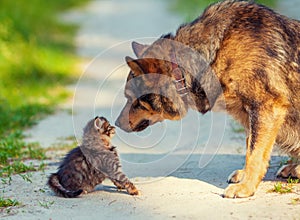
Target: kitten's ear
<point x="98" y="123"/>
<point x="138" y="48"/>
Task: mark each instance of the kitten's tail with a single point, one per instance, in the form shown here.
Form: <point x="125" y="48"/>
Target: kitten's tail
<point x="55" y="185"/>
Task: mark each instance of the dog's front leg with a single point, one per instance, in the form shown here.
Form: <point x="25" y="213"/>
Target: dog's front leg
<point x="265" y="122"/>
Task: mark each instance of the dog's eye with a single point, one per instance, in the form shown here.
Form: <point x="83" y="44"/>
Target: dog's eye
<point x="143" y="107"/>
<point x="140" y="105"/>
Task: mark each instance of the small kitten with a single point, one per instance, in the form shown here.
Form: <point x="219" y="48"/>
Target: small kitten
<point x="88" y="165"/>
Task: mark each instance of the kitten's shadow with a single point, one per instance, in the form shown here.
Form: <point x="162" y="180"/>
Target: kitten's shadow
<point x="110" y="189"/>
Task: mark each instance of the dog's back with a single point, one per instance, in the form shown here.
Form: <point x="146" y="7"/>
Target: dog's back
<point x="255" y="54"/>
<point x="259" y="60"/>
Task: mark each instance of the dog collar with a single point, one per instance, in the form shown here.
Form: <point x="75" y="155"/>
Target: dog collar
<point x="180" y="81"/>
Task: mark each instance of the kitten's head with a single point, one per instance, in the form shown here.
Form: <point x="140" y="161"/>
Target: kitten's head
<point x="103" y="126"/>
<point x="99" y="126"/>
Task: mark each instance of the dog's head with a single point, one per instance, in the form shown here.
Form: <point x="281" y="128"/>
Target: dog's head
<point x="150" y="91"/>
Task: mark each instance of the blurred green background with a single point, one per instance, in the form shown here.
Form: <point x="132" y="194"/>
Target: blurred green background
<point x="36" y="61"/>
<point x="190" y="9"/>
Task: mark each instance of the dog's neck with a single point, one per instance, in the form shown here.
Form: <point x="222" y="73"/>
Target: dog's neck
<point x="178" y="74"/>
<point x="180" y="81"/>
<point x="188" y="87"/>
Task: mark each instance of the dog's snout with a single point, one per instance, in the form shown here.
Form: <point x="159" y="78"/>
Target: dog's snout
<point x="126" y="128"/>
<point x="117" y="123"/>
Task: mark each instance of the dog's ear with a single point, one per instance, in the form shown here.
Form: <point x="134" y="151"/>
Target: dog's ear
<point x="139" y="49"/>
<point x="134" y="66"/>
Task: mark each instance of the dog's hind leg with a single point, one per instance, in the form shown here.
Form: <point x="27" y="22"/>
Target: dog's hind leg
<point x="289" y="170"/>
<point x="265" y="121"/>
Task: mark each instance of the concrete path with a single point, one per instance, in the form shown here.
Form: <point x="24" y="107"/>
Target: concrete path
<point x="180" y="167"/>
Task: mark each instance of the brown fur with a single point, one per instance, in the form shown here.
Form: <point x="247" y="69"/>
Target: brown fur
<point x="253" y="54"/>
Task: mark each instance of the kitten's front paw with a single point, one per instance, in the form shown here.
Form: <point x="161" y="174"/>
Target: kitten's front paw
<point x="132" y="190"/>
<point x="118" y="185"/>
<point x="239" y="190"/>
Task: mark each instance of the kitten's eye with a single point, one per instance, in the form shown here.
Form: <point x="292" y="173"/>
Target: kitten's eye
<point x="105" y="125"/>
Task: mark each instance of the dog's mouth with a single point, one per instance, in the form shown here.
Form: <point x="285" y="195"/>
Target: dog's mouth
<point x="142" y="125"/>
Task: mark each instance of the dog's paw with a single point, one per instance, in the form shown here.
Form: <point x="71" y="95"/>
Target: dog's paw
<point x="289" y="170"/>
<point x="239" y="190"/>
<point x="236" y="176"/>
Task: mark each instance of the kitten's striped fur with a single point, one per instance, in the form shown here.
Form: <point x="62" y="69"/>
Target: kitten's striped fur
<point x="88" y="165"/>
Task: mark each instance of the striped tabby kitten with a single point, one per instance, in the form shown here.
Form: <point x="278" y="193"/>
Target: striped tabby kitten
<point x="88" y="165"/>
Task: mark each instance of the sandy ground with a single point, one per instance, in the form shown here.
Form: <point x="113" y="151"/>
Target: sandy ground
<point x="180" y="167"/>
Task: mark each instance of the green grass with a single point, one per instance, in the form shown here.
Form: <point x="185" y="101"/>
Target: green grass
<point x="46" y="204"/>
<point x="193" y="8"/>
<point x="8" y="202"/>
<point x="295" y="201"/>
<point x="283" y="188"/>
<point x="36" y="62"/>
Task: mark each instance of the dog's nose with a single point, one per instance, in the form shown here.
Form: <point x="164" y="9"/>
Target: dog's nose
<point x="117" y="123"/>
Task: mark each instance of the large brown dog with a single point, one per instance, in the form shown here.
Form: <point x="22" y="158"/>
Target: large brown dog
<point x="253" y="61"/>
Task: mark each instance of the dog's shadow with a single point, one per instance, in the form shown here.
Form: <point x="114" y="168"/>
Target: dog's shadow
<point x="215" y="171"/>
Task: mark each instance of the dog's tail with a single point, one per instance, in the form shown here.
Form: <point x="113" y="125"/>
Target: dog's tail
<point x="55" y="185"/>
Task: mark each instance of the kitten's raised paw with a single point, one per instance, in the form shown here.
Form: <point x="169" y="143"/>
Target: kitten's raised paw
<point x="118" y="185"/>
<point x="132" y="190"/>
